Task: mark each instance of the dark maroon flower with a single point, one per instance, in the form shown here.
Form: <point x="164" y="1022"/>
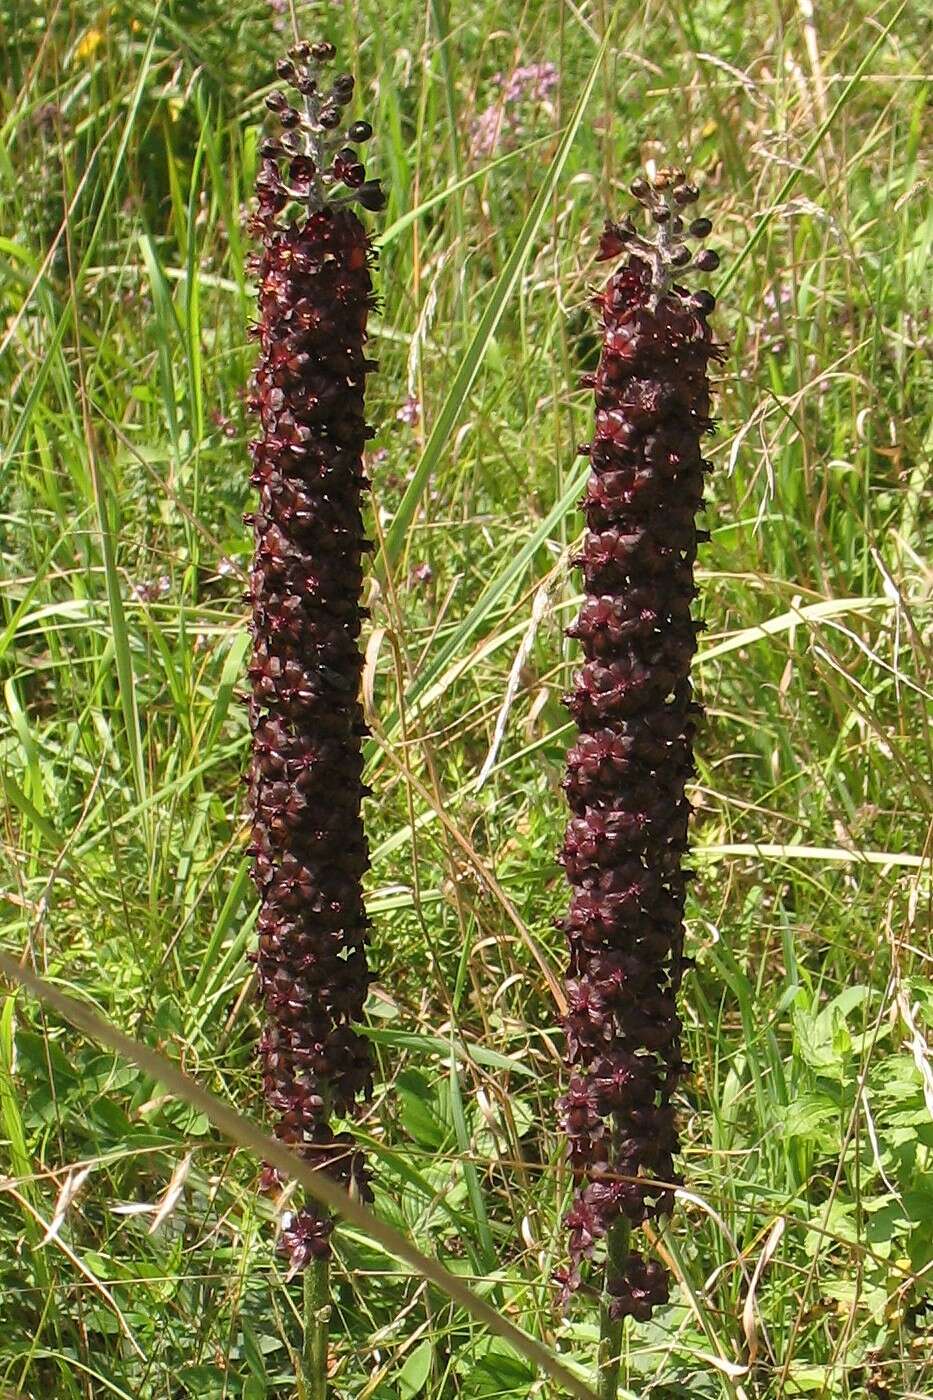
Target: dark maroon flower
<point x="632" y="700"/>
<point x="305" y="783"/>
<point x="306" y="1236"/>
<point x="636" y="1292"/>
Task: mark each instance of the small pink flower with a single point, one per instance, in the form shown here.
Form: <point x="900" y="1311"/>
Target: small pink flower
<point x="410" y="411"/>
<point x="421" y="573"/>
<point x="503" y="122"/>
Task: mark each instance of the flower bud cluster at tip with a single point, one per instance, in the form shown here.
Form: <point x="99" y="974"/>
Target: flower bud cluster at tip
<point x="666" y="196"/>
<point x="632" y="700"/>
<point x="305" y="781"/>
<point x="312" y="162"/>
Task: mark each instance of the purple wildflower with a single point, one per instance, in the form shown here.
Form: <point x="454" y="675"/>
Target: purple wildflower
<point x="502" y="124"/>
<point x="410" y="411"/>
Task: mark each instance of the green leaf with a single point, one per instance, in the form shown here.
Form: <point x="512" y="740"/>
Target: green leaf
<point x="494" y="1370"/>
<point x="437" y="1045"/>
<point x="40" y="1053"/>
<point x="230" y="676"/>
<point x="420" y="1114"/>
<point x="813" y="1117"/>
<point x="813" y="1042"/>
<point x="803" y="1379"/>
<point x="204" y="1382"/>
<point x="252" y="1351"/>
<point x="13" y="1129"/>
<point x="414" y="1374"/>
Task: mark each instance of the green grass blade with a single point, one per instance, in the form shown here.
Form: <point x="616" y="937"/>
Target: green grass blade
<point x="126" y="678"/>
<point x="468" y="1167"/>
<point x="318" y="1185"/>
<point x="506" y="283"/>
<point x="225" y="918"/>
<point x="495" y="590"/>
<point x="803" y="164"/>
<point x="15" y="1132"/>
<point x="411" y="216"/>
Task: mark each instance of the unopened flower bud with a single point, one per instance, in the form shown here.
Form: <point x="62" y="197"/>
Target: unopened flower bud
<point x="371" y="195"/>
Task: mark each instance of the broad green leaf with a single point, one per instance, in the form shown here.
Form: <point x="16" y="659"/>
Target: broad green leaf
<point x="413" y="1376"/>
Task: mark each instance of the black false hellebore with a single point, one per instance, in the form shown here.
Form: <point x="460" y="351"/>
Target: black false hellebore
<point x="309" y="849"/>
<point x="633" y="704"/>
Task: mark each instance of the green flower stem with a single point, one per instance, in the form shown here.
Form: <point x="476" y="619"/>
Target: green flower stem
<point x="610" y="1331"/>
<point x="317" y="1317"/>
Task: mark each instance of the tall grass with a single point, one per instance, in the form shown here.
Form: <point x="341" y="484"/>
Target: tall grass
<point x="802" y="1254"/>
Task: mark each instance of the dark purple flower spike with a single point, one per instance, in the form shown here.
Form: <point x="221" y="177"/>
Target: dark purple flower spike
<point x="315" y="294"/>
<point x="633" y="703"/>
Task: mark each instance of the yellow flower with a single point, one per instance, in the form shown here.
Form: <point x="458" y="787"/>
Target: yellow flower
<point x="89" y="44"/>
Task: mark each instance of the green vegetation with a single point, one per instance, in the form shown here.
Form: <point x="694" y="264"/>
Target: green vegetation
<point x="803" y="1252"/>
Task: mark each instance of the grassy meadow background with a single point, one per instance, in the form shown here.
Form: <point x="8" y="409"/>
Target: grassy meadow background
<point x="136" y="1259"/>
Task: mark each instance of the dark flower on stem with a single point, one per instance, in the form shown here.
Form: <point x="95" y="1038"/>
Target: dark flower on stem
<point x="309" y="849"/>
<point x="632" y="700"/>
<point x="636" y="1292"/>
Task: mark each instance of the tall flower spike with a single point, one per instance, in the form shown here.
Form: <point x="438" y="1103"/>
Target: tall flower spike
<point x="633" y="703"/>
<point x="305" y="787"/>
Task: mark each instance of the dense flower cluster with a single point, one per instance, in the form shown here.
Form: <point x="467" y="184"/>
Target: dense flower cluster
<point x="305" y="783"/>
<point x="632" y="700"/>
